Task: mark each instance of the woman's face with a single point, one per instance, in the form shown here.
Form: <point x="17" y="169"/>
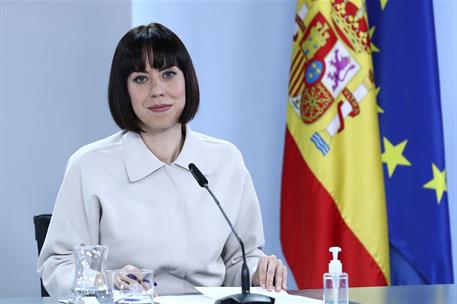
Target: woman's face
<point x="158" y="97"/>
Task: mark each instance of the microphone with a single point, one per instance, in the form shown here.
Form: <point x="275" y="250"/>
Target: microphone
<point x="199" y="177"/>
<point x="246" y="296"/>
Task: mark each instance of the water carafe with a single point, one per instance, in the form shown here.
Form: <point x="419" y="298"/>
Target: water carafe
<point x="90" y="274"/>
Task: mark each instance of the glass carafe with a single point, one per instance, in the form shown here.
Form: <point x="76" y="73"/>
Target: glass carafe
<point x="90" y="274"/>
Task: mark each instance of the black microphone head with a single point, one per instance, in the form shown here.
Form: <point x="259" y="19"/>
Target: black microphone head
<point x="199" y="177"/>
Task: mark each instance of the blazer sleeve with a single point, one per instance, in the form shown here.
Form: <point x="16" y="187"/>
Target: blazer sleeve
<point x="250" y="229"/>
<point x="73" y="222"/>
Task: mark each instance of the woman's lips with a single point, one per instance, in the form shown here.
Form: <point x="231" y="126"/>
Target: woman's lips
<point x="159" y="108"/>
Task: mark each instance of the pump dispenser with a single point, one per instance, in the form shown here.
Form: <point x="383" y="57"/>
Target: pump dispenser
<point x="336" y="282"/>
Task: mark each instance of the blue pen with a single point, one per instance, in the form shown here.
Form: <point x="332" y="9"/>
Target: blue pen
<point x="147" y="281"/>
<point x="133" y="277"/>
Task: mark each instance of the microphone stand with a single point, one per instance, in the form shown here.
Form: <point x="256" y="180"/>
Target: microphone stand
<point x="245" y="296"/>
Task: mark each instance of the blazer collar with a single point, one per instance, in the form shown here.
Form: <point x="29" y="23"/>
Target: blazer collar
<point x="193" y="151"/>
<point x="141" y="162"/>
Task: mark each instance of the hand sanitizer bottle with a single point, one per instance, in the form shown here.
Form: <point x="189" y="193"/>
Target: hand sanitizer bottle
<point x="336" y="282"/>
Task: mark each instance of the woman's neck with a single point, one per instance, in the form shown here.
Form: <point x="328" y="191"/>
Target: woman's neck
<point x="165" y="145"/>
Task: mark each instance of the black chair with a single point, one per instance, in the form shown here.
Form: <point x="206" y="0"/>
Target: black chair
<point x="41" y="228"/>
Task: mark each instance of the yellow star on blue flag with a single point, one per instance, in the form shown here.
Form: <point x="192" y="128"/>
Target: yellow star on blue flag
<point x="393" y="155"/>
<point x="437" y="183"/>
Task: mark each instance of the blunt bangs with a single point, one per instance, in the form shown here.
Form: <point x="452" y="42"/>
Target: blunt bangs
<point x="159" y="46"/>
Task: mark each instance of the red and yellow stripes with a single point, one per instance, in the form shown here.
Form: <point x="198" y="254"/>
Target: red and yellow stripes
<point x="296" y="84"/>
<point x="334" y="195"/>
<point x="312" y="224"/>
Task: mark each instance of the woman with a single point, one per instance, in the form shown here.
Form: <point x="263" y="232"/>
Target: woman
<point x="133" y="192"/>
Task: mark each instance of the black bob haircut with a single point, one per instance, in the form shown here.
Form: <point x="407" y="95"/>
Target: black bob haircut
<point x="130" y="56"/>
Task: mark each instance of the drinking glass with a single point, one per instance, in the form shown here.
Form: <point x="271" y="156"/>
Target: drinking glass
<point x="133" y="286"/>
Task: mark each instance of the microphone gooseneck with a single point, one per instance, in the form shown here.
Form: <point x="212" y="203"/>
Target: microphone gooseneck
<point x="203" y="182"/>
<point x="245" y="296"/>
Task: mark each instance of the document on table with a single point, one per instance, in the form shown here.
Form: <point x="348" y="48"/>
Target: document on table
<point x="280" y="297"/>
<point x="118" y="298"/>
<point x="188" y="299"/>
<point x="210" y="294"/>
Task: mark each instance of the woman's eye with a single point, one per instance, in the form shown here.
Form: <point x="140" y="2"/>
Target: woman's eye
<point x="168" y="74"/>
<point x="140" y="79"/>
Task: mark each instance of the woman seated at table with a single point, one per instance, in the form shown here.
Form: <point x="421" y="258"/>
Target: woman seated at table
<point x="133" y="192"/>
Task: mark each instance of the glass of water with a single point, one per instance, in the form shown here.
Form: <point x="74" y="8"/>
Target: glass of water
<point x="132" y="286"/>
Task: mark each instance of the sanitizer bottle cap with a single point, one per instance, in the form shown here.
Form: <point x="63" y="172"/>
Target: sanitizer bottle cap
<point x="335" y="267"/>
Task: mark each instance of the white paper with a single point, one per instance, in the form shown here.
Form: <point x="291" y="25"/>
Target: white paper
<point x="220" y="292"/>
<point x="210" y="294"/>
<point x="281" y="297"/>
<point x="118" y="297"/>
<point x="87" y="300"/>
<point x="190" y="299"/>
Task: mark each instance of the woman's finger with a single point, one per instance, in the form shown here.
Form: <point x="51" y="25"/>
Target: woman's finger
<point x="278" y="275"/>
<point x="127" y="281"/>
<point x="128" y="276"/>
<point x="262" y="271"/>
<point x="119" y="283"/>
<point x="284" y="275"/>
<point x="271" y="268"/>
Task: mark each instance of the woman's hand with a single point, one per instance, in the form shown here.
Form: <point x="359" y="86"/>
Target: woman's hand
<point x="270" y="272"/>
<point x="130" y="276"/>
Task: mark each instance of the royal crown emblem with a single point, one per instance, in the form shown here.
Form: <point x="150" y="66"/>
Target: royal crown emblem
<point x="351" y="25"/>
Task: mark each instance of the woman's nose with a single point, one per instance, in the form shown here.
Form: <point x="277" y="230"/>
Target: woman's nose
<point x="156" y="89"/>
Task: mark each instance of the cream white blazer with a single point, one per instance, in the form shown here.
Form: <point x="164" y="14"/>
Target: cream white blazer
<point x="115" y="192"/>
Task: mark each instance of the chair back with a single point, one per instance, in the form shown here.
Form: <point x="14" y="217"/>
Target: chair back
<point x="41" y="228"/>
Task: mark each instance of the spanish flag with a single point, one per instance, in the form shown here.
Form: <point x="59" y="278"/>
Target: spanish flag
<point x="332" y="185"/>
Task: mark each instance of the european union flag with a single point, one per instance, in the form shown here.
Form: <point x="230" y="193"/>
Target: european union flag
<point x="406" y="74"/>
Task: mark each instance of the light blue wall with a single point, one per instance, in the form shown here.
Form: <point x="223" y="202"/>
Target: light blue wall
<point x="54" y="65"/>
<point x="446" y="35"/>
